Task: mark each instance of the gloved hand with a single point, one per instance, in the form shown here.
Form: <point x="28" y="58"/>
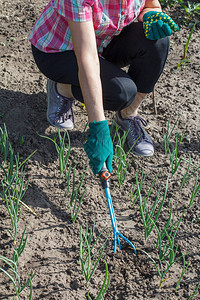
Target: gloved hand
<point x="99" y="146"/>
<point x="158" y="25"/>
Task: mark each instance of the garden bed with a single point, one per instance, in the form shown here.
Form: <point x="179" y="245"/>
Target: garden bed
<point x="52" y="248"/>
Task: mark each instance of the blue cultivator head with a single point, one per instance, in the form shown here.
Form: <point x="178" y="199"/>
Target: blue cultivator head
<point x="104" y="177"/>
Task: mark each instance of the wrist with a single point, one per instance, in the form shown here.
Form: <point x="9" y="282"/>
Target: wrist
<point x="148" y="9"/>
<point x="96" y="118"/>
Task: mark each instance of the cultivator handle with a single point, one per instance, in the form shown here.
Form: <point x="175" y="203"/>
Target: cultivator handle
<point x="104" y="175"/>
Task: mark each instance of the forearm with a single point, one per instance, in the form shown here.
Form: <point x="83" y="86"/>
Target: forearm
<point x="90" y="82"/>
<point x="150" y="6"/>
<point x="84" y="42"/>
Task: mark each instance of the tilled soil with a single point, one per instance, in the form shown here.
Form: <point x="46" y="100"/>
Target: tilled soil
<point x="52" y="249"/>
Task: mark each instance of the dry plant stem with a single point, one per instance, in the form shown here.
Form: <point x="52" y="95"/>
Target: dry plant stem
<point x="28" y="208"/>
<point x="154" y="102"/>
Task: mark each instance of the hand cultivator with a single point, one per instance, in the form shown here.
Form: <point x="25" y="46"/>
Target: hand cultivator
<point x="104" y="177"/>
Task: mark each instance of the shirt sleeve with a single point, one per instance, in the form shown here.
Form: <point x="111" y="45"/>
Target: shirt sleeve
<point x="74" y="10"/>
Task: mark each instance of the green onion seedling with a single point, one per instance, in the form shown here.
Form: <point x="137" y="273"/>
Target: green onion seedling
<point x="148" y="213"/>
<point x="89" y="252"/>
<point x="105" y="285"/>
<point x="186" y="176"/>
<point x="12" y="268"/>
<point x="134" y="193"/>
<point x="75" y="203"/>
<point x="185" y="59"/>
<point x="195" y="190"/>
<point x="120" y="156"/>
<point x="63" y="156"/>
<point x="194" y="292"/>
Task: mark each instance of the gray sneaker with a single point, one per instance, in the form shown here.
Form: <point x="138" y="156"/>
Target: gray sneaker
<point x="59" y="112"/>
<point x="137" y="138"/>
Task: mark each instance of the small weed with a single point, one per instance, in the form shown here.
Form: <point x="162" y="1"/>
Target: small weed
<point x="168" y="3"/>
<point x="192" y="10"/>
<point x="22" y="141"/>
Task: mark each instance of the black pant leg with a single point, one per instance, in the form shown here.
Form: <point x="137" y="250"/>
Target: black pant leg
<point x="118" y="88"/>
<point x="146" y="58"/>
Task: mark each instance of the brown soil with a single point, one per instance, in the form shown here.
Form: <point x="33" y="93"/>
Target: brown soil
<point x="52" y="250"/>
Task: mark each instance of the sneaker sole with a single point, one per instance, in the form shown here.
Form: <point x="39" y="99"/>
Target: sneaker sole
<point x="60" y="127"/>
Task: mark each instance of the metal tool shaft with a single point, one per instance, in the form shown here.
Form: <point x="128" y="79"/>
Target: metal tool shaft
<point x="104" y="177"/>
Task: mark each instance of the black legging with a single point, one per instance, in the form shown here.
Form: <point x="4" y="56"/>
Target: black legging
<point x="145" y="58"/>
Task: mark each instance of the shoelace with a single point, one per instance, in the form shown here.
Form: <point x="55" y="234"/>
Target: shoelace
<point x="137" y="129"/>
<point x="65" y="110"/>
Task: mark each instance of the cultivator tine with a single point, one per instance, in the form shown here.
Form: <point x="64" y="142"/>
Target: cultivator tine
<point x="104" y="177"/>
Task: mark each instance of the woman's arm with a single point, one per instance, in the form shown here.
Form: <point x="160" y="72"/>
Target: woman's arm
<point x="84" y="43"/>
<point x="150" y="5"/>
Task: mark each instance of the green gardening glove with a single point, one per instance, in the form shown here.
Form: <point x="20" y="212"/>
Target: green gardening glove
<point x="99" y="146"/>
<point x="158" y="25"/>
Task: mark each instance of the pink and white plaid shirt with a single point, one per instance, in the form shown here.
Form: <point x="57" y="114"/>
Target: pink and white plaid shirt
<point x="51" y="32"/>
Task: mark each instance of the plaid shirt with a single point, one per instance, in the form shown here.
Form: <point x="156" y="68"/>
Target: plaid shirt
<point x="51" y="32"/>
